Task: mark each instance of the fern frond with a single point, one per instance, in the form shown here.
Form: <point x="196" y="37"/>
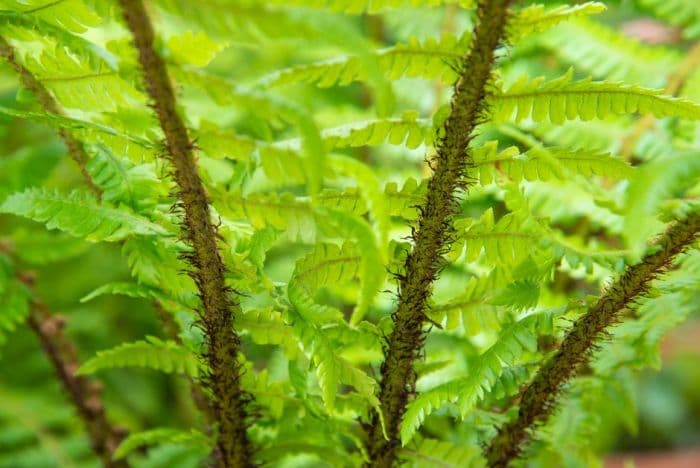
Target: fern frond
<point x="372" y="269"/>
<point x="79" y="214"/>
<point x="504" y="242"/>
<point x="124" y="289"/>
<point x="161" y="436"/>
<point x="430" y="452"/>
<point x="407" y="130"/>
<point x="559" y="100"/>
<point x="266" y="326"/>
<point x="331" y="369"/>
<point x="536" y="18"/>
<point x="608" y="54"/>
<point x="543" y="164"/>
<point x="157" y="263"/>
<point x="512" y="343"/>
<point x="14" y="299"/>
<point x="71" y="15"/>
<point x="370" y="6"/>
<point x="415" y="59"/>
<point x="121" y="181"/>
<point x="164" y="356"/>
<point x="469" y="310"/>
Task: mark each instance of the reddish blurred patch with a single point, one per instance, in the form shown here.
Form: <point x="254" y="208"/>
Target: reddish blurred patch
<point x="685" y="459"/>
<point x="652" y="32"/>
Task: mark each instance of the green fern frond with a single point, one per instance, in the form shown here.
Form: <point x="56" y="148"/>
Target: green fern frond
<point x="372" y="269"/>
<point x="536" y="18"/>
<point x="161" y="436"/>
<point x="331" y="369"/>
<point x="608" y="54"/>
<point x="407" y="130"/>
<point x="157" y="263"/>
<point x="513" y="342"/>
<point x="71" y="15"/>
<point x="79" y="214"/>
<point x="164" y="356"/>
<point x="543" y="164"/>
<point x="266" y="326"/>
<point x="121" y="181"/>
<point x="14" y="299"/>
<point x="559" y="100"/>
<point x="470" y="310"/>
<point x="415" y="59"/>
<point x="504" y="242"/>
<point x="430" y="452"/>
<point x="42" y="247"/>
<point x="370" y="6"/>
<point x="88" y="131"/>
<point x="123" y="289"/>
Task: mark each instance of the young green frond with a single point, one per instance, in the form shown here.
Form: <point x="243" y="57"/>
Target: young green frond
<point x="561" y="99"/>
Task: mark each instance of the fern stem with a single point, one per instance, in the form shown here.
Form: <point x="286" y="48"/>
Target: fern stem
<point x="433" y="234"/>
<point x="84" y="393"/>
<point x="233" y="447"/>
<point x="575" y="352"/>
<point x="43" y="96"/>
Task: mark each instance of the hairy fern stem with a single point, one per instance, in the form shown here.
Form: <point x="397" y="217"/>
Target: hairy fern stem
<point x="539" y="398"/>
<point x="84" y="393"/>
<point x="433" y="234"/>
<point x="223" y="344"/>
<point x="43" y="96"/>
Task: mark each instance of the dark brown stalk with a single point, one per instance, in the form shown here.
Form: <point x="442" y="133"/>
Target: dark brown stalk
<point x="233" y="447"/>
<point x="85" y="394"/>
<point x="433" y="234"/>
<point x="29" y="81"/>
<point x="540" y="397"/>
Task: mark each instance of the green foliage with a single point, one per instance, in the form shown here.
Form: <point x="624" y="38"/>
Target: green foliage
<point x="561" y="99"/>
<point x="315" y="125"/>
<point x="165" y="356"/>
<point x="79" y="214"/>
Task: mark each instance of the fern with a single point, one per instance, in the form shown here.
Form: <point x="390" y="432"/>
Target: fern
<point x="513" y="342"/>
<point x="165" y="356"/>
<point x="79" y="214"/>
<point x="561" y="99"/>
<point x="361" y="231"/>
<point x="161" y="436"/>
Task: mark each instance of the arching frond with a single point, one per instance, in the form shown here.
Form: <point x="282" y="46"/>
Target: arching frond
<point x="79" y="214"/>
<point x="164" y="356"/>
<point x="559" y="100"/>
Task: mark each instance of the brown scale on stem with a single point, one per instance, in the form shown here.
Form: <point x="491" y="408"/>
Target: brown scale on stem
<point x="574" y="354"/>
<point x="433" y="234"/>
<point x="85" y="394"/>
<point x="233" y="448"/>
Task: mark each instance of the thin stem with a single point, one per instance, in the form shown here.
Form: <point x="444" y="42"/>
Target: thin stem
<point x="43" y="96"/>
<point x="433" y="234"/>
<point x="85" y="394"/>
<point x="575" y="352"/>
<point x="223" y="343"/>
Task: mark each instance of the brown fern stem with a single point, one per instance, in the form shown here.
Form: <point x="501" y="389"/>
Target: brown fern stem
<point x="43" y="96"/>
<point x="575" y="351"/>
<point x="233" y="447"/>
<point x="85" y="394"/>
<point x="432" y="236"/>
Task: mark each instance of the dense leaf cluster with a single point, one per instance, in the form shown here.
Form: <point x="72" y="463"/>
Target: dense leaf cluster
<point x="352" y="232"/>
